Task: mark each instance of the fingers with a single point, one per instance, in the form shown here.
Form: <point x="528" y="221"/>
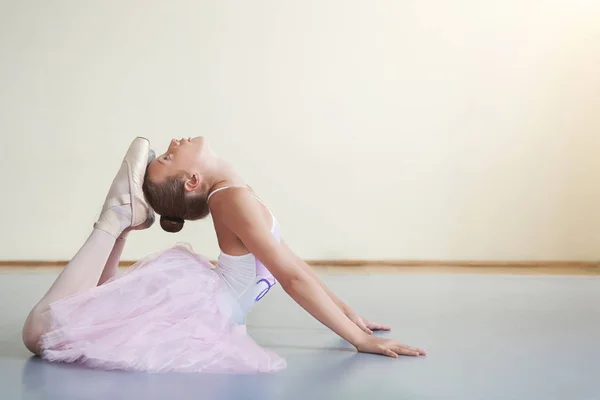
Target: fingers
<point x="410" y="351"/>
<point x="378" y="327"/>
<point x="389" y="348"/>
<point x="390" y="353"/>
<point x="403" y="351"/>
<point x="420" y="352"/>
<point x="364" y="327"/>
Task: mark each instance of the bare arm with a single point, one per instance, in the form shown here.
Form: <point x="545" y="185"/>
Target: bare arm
<point x="306" y="268"/>
<point x="364" y="324"/>
<point x="241" y="213"/>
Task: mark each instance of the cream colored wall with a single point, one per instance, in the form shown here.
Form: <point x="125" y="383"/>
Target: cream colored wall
<point x="374" y="129"/>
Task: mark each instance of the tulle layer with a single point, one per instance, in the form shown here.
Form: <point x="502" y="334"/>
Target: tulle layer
<point x="167" y="313"/>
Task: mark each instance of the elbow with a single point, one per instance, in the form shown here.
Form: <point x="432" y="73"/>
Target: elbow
<point x="290" y="282"/>
<point x="288" y="273"/>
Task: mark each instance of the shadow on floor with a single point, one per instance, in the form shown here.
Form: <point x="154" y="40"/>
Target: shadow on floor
<point x="41" y="379"/>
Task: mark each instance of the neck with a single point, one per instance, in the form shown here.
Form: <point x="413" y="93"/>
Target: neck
<point x="222" y="174"/>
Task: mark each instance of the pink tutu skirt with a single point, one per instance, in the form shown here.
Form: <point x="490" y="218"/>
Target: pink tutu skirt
<point x="168" y="312"/>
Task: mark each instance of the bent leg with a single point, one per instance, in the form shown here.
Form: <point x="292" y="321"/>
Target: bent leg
<point x="82" y="273"/>
<point x="112" y="264"/>
<point x="124" y="208"/>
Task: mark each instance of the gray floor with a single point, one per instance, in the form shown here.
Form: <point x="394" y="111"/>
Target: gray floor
<point x="489" y="337"/>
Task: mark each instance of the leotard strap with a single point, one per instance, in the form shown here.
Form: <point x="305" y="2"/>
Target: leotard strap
<point x="218" y="190"/>
<point x="252" y="194"/>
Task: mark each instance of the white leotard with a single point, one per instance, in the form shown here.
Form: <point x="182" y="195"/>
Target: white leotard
<point x="245" y="277"/>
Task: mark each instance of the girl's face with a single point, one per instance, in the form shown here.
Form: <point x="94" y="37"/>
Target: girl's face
<point x="182" y="155"/>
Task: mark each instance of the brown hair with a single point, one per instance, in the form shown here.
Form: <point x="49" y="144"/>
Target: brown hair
<point x="170" y="200"/>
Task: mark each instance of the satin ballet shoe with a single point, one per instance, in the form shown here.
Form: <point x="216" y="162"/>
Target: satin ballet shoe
<point x="151" y="216"/>
<point x="126" y="190"/>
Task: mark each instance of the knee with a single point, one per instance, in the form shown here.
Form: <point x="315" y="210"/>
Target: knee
<point x="33" y="329"/>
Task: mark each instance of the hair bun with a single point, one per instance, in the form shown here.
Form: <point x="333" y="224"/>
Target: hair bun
<point x="171" y="224"/>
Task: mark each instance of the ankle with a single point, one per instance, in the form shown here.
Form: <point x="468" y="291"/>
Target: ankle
<point x="115" y="220"/>
<point x="124" y="234"/>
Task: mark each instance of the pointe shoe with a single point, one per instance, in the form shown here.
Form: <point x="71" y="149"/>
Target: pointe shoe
<point x="126" y="189"/>
<point x="150" y="213"/>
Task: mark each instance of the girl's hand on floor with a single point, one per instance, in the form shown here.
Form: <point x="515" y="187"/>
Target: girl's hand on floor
<point x="387" y="347"/>
<point x="364" y="324"/>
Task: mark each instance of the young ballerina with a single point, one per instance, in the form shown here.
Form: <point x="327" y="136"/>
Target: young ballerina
<point x="174" y="311"/>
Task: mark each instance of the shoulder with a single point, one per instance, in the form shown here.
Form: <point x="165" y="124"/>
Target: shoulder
<point x="235" y="206"/>
<point x="238" y="197"/>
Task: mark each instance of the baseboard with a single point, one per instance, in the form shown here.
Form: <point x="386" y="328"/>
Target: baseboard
<point x="360" y="263"/>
